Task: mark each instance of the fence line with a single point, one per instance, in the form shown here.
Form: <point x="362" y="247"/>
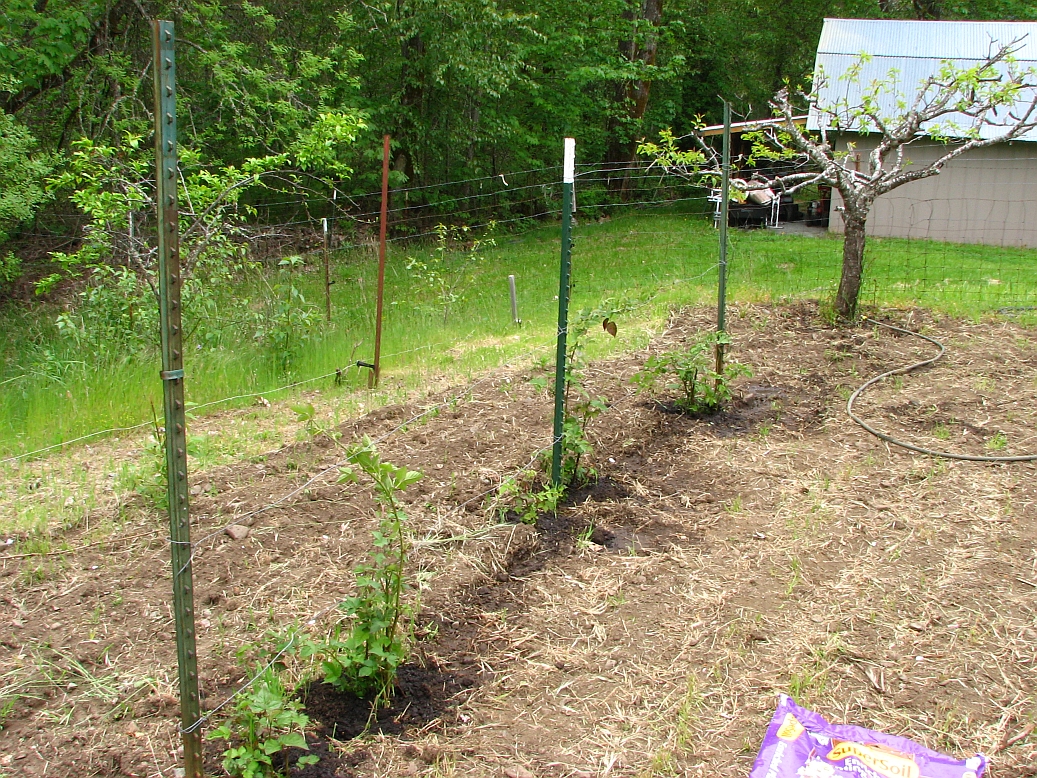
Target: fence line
<point x="431" y="206"/>
<point x="545" y="347"/>
<point x="421" y="187"/>
<point x="275" y="390"/>
<point x="409" y="208"/>
<point x="312" y="620"/>
<point x="1001" y="277"/>
<point x="763" y="264"/>
<point x="527" y="354"/>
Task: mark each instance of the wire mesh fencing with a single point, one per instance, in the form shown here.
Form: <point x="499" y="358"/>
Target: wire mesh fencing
<point x="639" y="236"/>
<point x="908" y="258"/>
<point x="638" y="230"/>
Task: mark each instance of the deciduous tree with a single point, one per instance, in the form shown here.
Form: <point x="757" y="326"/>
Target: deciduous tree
<point x="964" y="108"/>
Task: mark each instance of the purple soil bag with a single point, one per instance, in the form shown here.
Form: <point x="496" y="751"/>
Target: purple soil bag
<point x="801" y="744"/>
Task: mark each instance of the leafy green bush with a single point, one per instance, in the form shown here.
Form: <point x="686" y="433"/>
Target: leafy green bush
<point x="365" y="651"/>
<point x="265" y="723"/>
<point x="693" y="373"/>
<point x="521" y="496"/>
<point x="22" y="170"/>
<point x="112" y="184"/>
<point x="10" y="268"/>
<point x="289" y="318"/>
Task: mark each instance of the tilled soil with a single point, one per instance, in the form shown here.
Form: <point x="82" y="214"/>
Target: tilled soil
<point x="643" y="630"/>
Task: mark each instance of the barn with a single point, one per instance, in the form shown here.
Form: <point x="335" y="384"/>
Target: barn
<point x="988" y="195"/>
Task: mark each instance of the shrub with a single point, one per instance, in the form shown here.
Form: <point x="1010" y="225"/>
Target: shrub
<point x="364" y="652"/>
<point x="693" y="373"/>
<point x="264" y="724"/>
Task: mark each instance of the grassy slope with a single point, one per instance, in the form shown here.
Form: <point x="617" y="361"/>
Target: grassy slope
<point x="655" y="259"/>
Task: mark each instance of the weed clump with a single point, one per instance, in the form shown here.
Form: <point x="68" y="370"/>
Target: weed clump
<point x="530" y="494"/>
<point x="361" y="656"/>
<point x="366" y="649"/>
<point x="693" y="374"/>
<point x="266" y="721"/>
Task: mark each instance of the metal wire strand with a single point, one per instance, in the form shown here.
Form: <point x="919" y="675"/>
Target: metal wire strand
<point x="313" y="618"/>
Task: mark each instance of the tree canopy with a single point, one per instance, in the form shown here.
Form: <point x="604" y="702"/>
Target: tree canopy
<point x="465" y="87"/>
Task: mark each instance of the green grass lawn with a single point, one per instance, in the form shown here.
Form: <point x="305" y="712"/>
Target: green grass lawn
<point x="652" y="259"/>
<point x="959" y="279"/>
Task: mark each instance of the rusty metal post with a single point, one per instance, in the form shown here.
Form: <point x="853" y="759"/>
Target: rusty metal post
<point x="172" y="374"/>
<point x="376" y="373"/>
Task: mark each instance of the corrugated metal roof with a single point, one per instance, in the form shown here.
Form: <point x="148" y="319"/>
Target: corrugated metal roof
<point x="905" y="53"/>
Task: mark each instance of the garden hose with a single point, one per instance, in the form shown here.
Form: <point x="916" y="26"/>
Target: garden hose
<point x="903" y="371"/>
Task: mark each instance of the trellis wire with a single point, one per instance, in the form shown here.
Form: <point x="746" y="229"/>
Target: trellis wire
<point x="515" y="473"/>
<point x="934" y="272"/>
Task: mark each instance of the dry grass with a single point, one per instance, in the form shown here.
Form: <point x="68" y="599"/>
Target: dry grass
<point x="775" y="549"/>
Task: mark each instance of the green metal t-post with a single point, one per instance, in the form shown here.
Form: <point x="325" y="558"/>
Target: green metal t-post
<point x="568" y="178"/>
<point x="725" y="198"/>
<point x="169" y="280"/>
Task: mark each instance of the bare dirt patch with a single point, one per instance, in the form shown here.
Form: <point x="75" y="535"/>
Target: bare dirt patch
<point x="646" y="629"/>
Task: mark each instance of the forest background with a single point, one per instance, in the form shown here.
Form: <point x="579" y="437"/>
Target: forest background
<point x="466" y="88"/>
<point x="286" y="102"/>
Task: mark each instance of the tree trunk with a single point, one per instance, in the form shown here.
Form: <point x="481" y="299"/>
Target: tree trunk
<point x="926" y="9"/>
<point x="632" y="96"/>
<point x="409" y="130"/>
<point x="853" y="269"/>
<point x="616" y="154"/>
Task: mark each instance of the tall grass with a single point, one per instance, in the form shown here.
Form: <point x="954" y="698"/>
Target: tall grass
<point x="652" y="259"/>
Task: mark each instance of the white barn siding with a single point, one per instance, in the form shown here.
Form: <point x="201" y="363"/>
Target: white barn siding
<point x="986" y="196"/>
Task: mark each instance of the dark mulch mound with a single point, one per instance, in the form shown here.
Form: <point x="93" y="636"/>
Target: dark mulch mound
<point x="422" y="694"/>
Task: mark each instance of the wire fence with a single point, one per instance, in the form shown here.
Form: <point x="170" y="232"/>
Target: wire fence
<point x="916" y="253"/>
<point x="648" y="220"/>
<point x="314" y="618"/>
<point x="500" y="207"/>
<point x="198" y="545"/>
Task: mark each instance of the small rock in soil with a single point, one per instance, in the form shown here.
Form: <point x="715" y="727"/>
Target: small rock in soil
<point x="237" y="532"/>
<point x="517" y="771"/>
